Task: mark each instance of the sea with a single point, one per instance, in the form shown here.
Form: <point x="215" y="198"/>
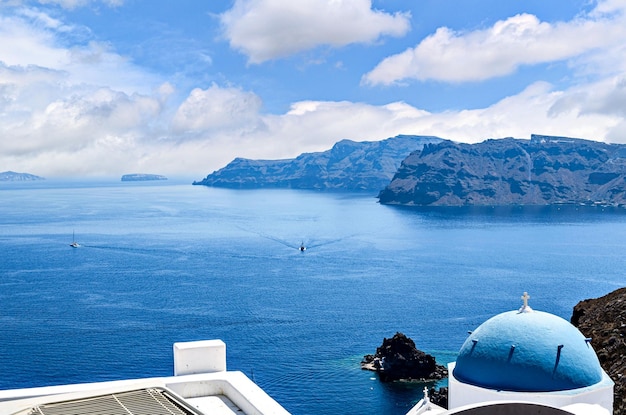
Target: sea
<point x="165" y="262"/>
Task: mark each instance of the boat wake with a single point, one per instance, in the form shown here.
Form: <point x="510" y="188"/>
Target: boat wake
<point x="305" y="243"/>
<point x="131" y="250"/>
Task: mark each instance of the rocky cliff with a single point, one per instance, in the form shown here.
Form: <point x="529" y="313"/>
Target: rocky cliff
<point x="348" y="165"/>
<point x="604" y="321"/>
<point x="544" y="170"/>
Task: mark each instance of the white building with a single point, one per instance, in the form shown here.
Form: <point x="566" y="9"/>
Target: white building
<point x="201" y="385"/>
<point x="525" y="361"/>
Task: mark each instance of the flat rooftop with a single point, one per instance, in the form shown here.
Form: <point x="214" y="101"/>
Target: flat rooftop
<point x="201" y="385"/>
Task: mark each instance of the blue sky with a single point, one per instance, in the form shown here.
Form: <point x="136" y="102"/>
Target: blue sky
<point x="101" y="88"/>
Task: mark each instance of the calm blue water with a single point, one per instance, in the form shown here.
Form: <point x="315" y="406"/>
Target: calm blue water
<point x="162" y="263"/>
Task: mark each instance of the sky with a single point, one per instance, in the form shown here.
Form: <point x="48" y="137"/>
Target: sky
<point x="102" y="88"/>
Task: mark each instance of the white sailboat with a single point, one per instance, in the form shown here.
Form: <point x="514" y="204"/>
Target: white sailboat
<point x="74" y="244"/>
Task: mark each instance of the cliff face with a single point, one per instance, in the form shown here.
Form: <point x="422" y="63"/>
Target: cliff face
<point x="604" y="321"/>
<point x="349" y="165"/>
<point x="541" y="171"/>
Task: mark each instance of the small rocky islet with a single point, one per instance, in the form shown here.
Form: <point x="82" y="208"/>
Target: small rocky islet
<point x="142" y="177"/>
<point x="397" y="359"/>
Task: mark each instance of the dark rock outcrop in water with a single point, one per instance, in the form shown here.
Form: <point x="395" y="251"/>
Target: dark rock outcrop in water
<point x="140" y="177"/>
<point x="398" y="359"/>
<point x="11" y="176"/>
<point x="541" y="171"/>
<point x="349" y="165"/>
<point x="604" y="321"/>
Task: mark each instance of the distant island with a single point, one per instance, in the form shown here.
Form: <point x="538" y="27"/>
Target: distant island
<point x="139" y="177"/>
<point x="11" y="176"/>
<point x="544" y="170"/>
<point x="366" y="166"/>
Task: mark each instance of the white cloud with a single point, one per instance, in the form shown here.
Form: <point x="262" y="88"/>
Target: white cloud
<point x="73" y="4"/>
<point x="31" y="38"/>
<point x="531" y="111"/>
<point x="605" y="98"/>
<point x="104" y="132"/>
<point x="323" y="123"/>
<point x="607" y="7"/>
<point x="499" y="50"/>
<point x="270" y="29"/>
<point x="311" y="126"/>
<point x="65" y="4"/>
<point x="83" y="134"/>
<point x="21" y="43"/>
<point x="38" y="117"/>
<point x="215" y="109"/>
<point x="43" y="20"/>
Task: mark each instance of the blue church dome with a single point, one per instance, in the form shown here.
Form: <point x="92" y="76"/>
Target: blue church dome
<point x="527" y="351"/>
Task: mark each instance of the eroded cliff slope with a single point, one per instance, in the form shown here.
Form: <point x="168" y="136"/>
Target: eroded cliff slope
<point x="348" y="165"/>
<point x="541" y="171"/>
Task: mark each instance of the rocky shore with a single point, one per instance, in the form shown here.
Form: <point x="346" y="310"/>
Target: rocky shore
<point x="604" y="321"/>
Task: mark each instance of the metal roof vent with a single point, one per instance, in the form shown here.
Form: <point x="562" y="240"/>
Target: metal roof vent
<point x="151" y="401"/>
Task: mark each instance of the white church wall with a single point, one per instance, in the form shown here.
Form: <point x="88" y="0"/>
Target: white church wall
<point x="462" y="394"/>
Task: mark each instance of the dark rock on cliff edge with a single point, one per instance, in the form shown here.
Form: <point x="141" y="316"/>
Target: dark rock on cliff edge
<point x="349" y="165"/>
<point x="541" y="171"/>
<point x="398" y="359"/>
<point x="604" y="321"/>
<point x="11" y="176"/>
